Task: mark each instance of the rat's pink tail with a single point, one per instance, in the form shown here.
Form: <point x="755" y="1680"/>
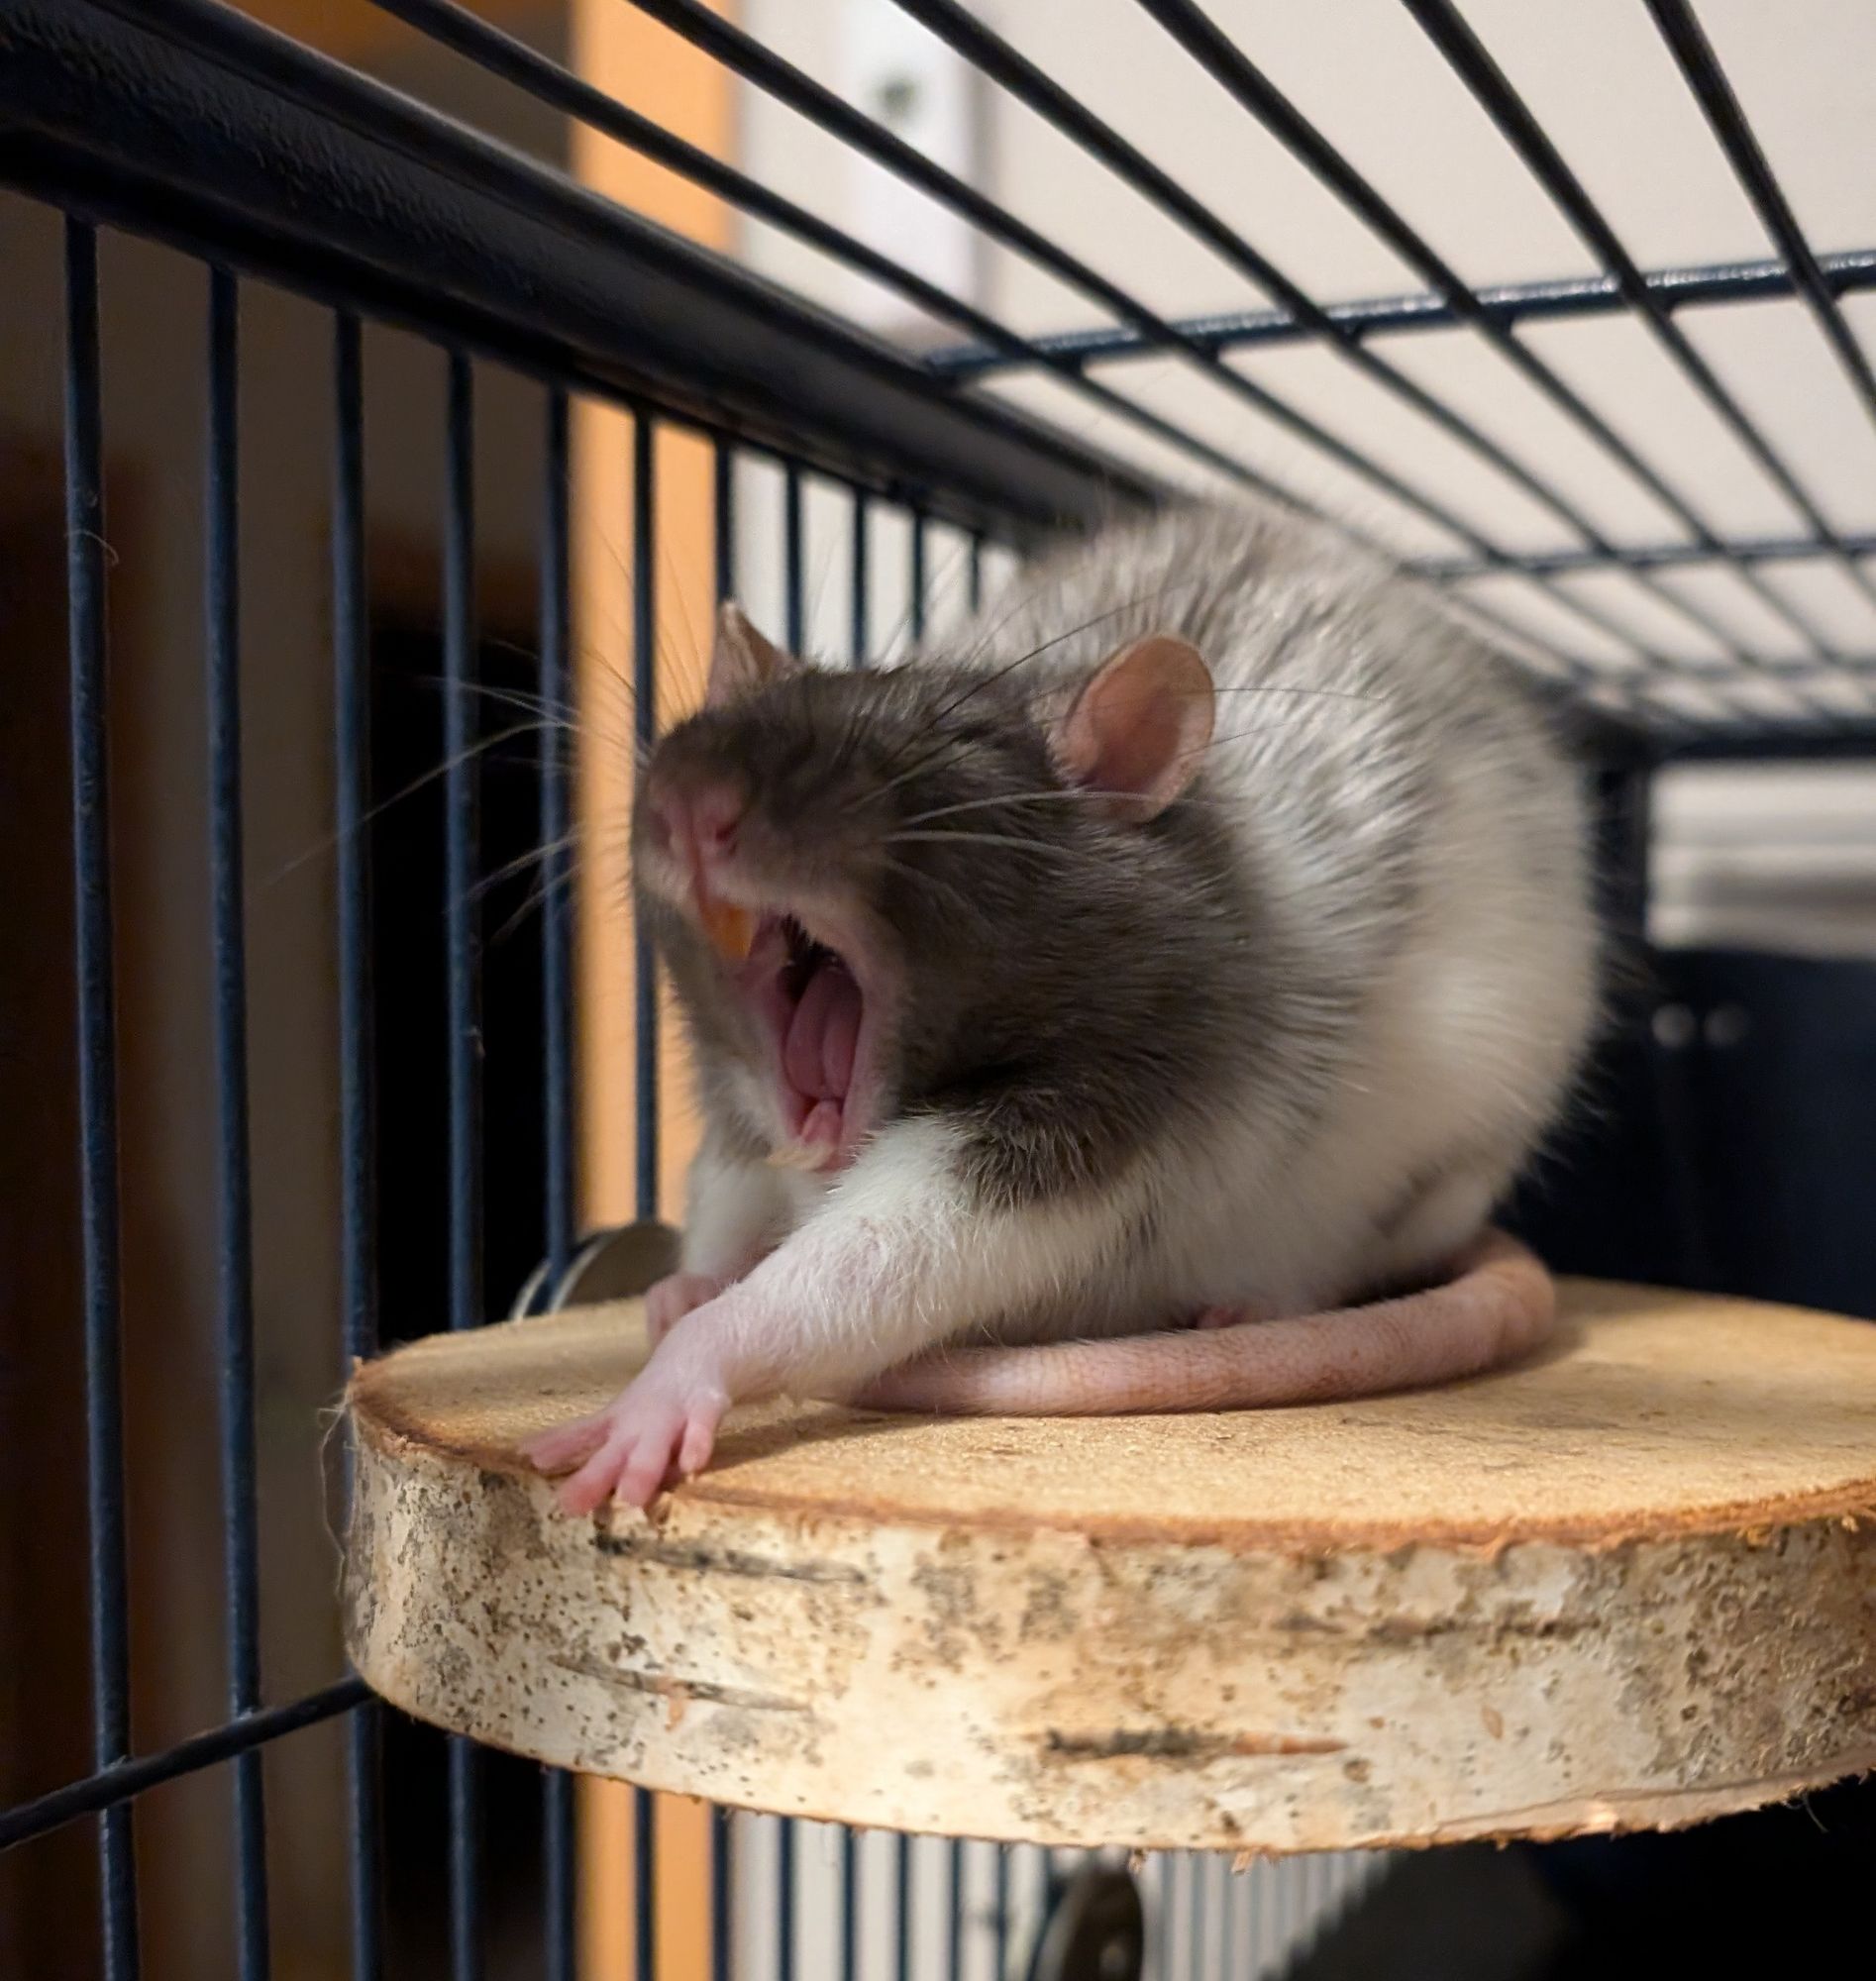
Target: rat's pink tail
<point x="1499" y="1304"/>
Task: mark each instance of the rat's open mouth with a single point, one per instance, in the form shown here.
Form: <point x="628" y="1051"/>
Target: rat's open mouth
<point x="814" y="1005"/>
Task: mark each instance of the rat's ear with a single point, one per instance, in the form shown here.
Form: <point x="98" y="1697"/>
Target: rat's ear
<point x="1138" y="730"/>
<point x="741" y="660"/>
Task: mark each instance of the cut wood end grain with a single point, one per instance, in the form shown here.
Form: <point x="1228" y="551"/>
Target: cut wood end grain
<point x="1631" y="1583"/>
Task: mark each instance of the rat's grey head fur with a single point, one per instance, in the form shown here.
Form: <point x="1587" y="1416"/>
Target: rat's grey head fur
<point x="1068" y="978"/>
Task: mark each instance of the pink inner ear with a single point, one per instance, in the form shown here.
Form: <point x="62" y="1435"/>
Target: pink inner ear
<point x="1139" y="729"/>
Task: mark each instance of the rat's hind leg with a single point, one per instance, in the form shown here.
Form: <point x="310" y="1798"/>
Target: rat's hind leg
<point x="1434" y="1225"/>
<point x="1415" y="1240"/>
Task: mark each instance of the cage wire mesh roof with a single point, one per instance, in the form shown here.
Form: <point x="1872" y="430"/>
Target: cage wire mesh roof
<point x="1568" y="309"/>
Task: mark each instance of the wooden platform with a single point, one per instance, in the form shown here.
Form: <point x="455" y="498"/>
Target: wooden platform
<point x="1631" y="1583"/>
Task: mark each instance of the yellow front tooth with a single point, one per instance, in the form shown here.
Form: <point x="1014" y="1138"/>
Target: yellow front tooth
<point x="731" y="929"/>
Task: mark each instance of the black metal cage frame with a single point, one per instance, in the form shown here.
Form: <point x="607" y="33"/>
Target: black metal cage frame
<point x="191" y="123"/>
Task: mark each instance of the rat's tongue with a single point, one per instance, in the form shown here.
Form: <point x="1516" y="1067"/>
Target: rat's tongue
<point x="818" y="1052"/>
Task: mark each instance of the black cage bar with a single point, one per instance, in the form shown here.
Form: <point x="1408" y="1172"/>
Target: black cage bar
<point x="267" y="163"/>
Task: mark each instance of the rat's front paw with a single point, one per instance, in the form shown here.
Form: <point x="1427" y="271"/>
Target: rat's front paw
<point x="663" y="1422"/>
<point x="667" y="1303"/>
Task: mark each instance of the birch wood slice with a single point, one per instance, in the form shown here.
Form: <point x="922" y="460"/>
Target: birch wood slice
<point x="1631" y="1583"/>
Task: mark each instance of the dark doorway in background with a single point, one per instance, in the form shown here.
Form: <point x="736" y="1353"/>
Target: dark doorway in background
<point x="410" y="1013"/>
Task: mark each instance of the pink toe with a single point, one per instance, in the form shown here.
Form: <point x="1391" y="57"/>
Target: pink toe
<point x="645" y="1473"/>
<point x="596" y="1479"/>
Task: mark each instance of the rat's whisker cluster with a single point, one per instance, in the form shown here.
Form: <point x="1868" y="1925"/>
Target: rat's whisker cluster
<point x="968" y="839"/>
<point x="914" y="876"/>
<point x="1312" y="693"/>
<point x="1071" y="794"/>
<point x="1236" y="736"/>
<point x="551" y="879"/>
<point x="537" y="856"/>
<point x="549" y="708"/>
<point x="469" y="751"/>
<point x="908" y="772"/>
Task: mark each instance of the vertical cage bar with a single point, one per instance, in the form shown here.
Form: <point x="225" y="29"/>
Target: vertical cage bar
<point x="461" y="848"/>
<point x="723" y="505"/>
<point x="240" y="1538"/>
<point x="644" y="718"/>
<point x="794" y="614"/>
<point x="465" y="1912"/>
<point x="793" y="617"/>
<point x="1229" y="1911"/>
<point x="1001" y="1936"/>
<point x="1163" y="1915"/>
<point x="795" y="606"/>
<point x="722" y="1864"/>
<point x="1194" y="1916"/>
<point x="722" y="1859"/>
<point x="555" y="687"/>
<point x="917" y="576"/>
<point x="974" y="573"/>
<point x="97" y="1084"/>
<point x="461" y="936"/>
<point x="358" y="1182"/>
<point x="557" y="1852"/>
<point x="954" y="1905"/>
<point x="785" y="1898"/>
<point x="858" y="637"/>
<point x="1623" y="805"/>
<point x="644" y="1886"/>
<point x="902" y="1918"/>
<point x="849" y="1903"/>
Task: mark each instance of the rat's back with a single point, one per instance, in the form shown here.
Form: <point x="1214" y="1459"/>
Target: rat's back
<point x="1414" y="839"/>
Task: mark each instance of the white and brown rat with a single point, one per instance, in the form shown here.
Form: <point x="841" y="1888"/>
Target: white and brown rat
<point x="1204" y="936"/>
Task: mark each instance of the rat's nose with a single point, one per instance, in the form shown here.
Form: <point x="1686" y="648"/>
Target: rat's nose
<point x="698" y="824"/>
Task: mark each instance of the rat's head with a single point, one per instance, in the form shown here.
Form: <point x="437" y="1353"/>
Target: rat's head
<point x="862" y="881"/>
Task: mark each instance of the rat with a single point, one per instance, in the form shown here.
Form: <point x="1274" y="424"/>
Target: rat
<point x="1090" y="1009"/>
